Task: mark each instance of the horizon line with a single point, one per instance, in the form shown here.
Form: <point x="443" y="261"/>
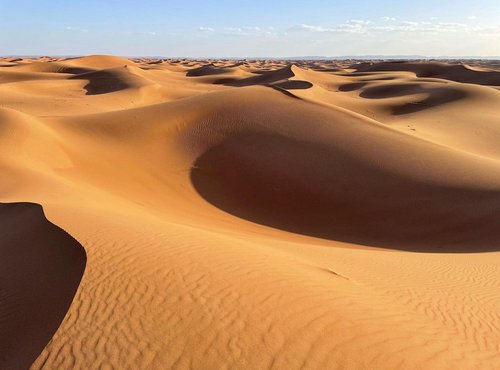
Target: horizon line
<point x="298" y="57"/>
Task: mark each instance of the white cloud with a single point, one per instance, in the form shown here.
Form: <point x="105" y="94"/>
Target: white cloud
<point x="358" y="21"/>
<point x="377" y="36"/>
<point x="488" y="31"/>
<point x="233" y="29"/>
<point x="206" y="29"/>
<point x="408" y="24"/>
<point x="307" y="27"/>
<point x="471" y="17"/>
<point x="452" y="26"/>
<point x="351" y="26"/>
<point x="73" y="28"/>
<point x="250" y="28"/>
<point x="356" y="26"/>
<point x="247" y="31"/>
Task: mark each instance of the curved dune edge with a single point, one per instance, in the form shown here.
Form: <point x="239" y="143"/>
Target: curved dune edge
<point x="458" y="73"/>
<point x="41" y="268"/>
<point x="311" y="189"/>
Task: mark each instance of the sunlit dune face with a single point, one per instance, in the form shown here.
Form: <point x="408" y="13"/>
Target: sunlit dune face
<point x="249" y="214"/>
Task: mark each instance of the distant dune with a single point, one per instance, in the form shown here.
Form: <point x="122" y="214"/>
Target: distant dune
<point x="249" y="214"/>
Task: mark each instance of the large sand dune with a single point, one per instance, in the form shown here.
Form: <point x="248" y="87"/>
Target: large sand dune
<point x="249" y="215"/>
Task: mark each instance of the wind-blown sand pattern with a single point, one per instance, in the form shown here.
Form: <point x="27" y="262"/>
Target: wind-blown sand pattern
<point x="265" y="214"/>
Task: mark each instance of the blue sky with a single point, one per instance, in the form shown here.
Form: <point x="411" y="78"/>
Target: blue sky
<point x="250" y="28"/>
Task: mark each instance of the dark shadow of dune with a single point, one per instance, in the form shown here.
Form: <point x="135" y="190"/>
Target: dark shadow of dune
<point x="352" y="86"/>
<point x="265" y="77"/>
<point x="317" y="190"/>
<point x="226" y="81"/>
<point x="40" y="269"/>
<point x="206" y="70"/>
<point x="52" y="67"/>
<point x="392" y="91"/>
<point x="326" y="69"/>
<point x="452" y="72"/>
<point x="436" y="96"/>
<point x="294" y="85"/>
<point x="75" y="70"/>
<point x="284" y="91"/>
<point x="102" y="82"/>
<point x="276" y="78"/>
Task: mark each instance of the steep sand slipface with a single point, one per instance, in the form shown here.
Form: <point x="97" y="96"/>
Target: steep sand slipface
<point x="41" y="267"/>
<point x="262" y="214"/>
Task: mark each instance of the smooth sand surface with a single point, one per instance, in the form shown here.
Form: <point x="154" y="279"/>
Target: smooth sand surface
<point x="253" y="215"/>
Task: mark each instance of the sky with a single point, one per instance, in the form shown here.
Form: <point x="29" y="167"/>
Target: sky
<point x="251" y="28"/>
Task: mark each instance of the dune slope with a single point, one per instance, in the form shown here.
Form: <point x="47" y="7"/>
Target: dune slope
<point x="40" y="271"/>
<point x="251" y="214"/>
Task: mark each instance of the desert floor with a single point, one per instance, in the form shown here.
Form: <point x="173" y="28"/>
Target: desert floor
<point x="181" y="214"/>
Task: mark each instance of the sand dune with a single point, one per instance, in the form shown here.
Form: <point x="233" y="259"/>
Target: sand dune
<point x="249" y="215"/>
<point x="41" y="270"/>
<point x="459" y="72"/>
